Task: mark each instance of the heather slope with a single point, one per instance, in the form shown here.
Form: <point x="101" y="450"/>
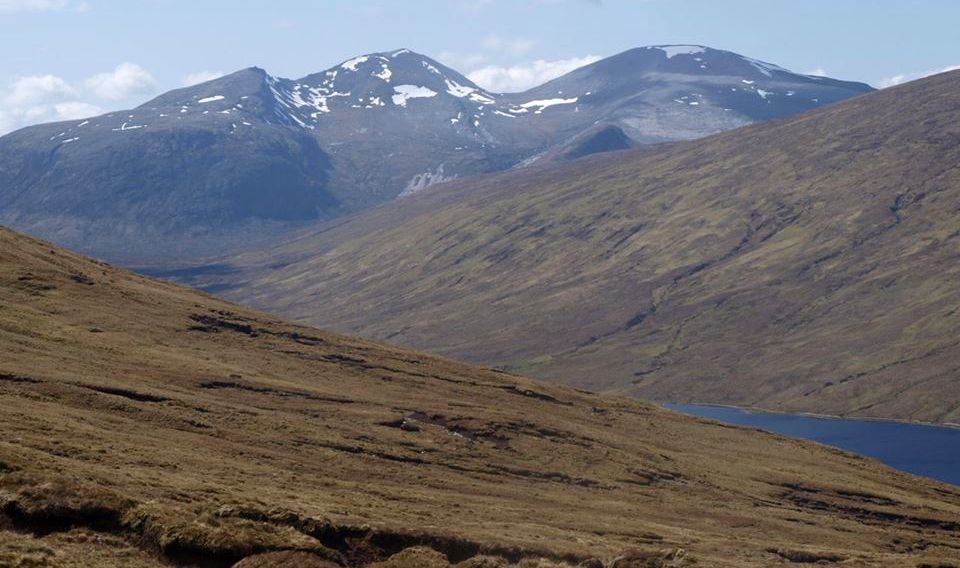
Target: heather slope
<point x="806" y="264"/>
<point x="144" y="422"/>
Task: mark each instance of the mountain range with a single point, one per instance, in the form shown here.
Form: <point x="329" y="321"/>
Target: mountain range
<point x="236" y="161"/>
<point x="807" y="263"/>
<point x="149" y="425"/>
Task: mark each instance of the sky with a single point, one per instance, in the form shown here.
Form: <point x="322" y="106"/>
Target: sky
<point x="64" y="59"/>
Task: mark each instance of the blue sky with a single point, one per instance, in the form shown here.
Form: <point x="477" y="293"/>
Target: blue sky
<point x="68" y="58"/>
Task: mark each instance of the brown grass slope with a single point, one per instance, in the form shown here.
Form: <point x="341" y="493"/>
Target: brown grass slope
<point x="146" y="423"/>
<point x="808" y="264"/>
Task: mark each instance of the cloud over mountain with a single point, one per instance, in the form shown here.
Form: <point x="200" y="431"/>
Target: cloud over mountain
<point x="31" y="99"/>
<point x="522" y="76"/>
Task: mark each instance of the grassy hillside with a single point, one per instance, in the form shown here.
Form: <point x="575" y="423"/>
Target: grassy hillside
<point x="146" y="423"/>
<point x="807" y="264"/>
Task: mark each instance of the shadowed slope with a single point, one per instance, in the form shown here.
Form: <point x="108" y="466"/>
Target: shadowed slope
<point x="805" y="264"/>
<point x="141" y="418"/>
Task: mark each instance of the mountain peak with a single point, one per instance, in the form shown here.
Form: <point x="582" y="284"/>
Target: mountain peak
<point x="382" y="65"/>
<point x="672" y="50"/>
<point x="388" y="78"/>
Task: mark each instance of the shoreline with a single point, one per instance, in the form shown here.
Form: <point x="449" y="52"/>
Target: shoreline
<point x="758" y="410"/>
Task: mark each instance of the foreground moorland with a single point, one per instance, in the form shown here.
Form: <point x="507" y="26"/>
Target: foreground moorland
<point x="146" y="424"/>
<point x="805" y="264"/>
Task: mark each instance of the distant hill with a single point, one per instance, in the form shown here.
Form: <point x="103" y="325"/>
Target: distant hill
<point x="149" y="425"/>
<point x="238" y="160"/>
<point x="804" y="264"/>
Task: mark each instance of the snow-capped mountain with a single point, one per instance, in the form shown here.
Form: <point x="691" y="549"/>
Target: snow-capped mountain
<point x="204" y="169"/>
<point x="678" y="92"/>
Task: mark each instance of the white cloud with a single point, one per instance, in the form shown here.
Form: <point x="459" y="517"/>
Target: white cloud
<point x="36" y="98"/>
<point x="127" y="80"/>
<point x="46" y="98"/>
<point x="14" y="6"/>
<point x="37" y="89"/>
<point x="906" y="77"/>
<point x="500" y="64"/>
<point x="14" y="117"/>
<point x="200" y="77"/>
<point x="520" y="77"/>
<point x="818" y="72"/>
<point x="72" y="110"/>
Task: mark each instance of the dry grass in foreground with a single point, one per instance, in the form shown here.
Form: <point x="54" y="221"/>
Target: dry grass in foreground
<point x="145" y="424"/>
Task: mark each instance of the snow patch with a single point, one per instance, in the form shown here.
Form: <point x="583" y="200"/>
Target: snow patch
<point x="547" y="103"/>
<point x="127" y="126"/>
<point x="352" y="64"/>
<point x="403" y="93"/>
<point x="764" y="67"/>
<point x="422" y="181"/>
<point x="385" y="73"/>
<point x="673" y="50"/>
<point x="212" y="99"/>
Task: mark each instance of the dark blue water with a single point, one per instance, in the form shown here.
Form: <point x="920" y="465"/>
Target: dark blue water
<point x="931" y="451"/>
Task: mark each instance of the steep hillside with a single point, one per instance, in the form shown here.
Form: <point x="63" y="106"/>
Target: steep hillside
<point x="807" y="264"/>
<point x="144" y="422"/>
<point x="223" y="165"/>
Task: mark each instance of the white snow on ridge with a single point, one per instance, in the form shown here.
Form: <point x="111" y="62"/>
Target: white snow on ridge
<point x="764" y="67"/>
<point x="212" y="99"/>
<point x="672" y="50"/>
<point x="313" y="97"/>
<point x="547" y="103"/>
<point x="764" y="94"/>
<point x="403" y="93"/>
<point x="460" y="91"/>
<point x="351" y="65"/>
